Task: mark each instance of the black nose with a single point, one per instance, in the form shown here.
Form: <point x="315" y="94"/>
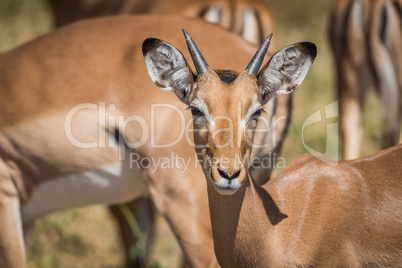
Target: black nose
<point x="226" y="176"/>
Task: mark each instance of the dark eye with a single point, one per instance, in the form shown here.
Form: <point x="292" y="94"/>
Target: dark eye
<point x="196" y="112"/>
<point x="257" y="114"/>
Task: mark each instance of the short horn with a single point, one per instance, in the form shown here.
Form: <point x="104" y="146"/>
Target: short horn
<point x="200" y="64"/>
<point x="256" y="61"/>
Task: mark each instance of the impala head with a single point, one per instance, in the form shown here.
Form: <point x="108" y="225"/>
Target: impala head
<point x="225" y="104"/>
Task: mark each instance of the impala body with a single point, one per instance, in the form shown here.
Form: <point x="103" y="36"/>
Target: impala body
<point x="366" y="39"/>
<point x="251" y="19"/>
<point x="312" y="214"/>
<point x="75" y="102"/>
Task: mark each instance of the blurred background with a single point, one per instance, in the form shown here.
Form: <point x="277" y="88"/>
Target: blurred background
<point x="87" y="237"/>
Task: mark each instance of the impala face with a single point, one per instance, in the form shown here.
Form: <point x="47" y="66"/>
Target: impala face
<point x="226" y="105"/>
<point x="225" y="109"/>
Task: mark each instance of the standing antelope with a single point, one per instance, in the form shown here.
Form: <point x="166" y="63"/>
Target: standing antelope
<point x="251" y="19"/>
<point x="366" y="39"/>
<point x="77" y="100"/>
<point x="312" y="214"/>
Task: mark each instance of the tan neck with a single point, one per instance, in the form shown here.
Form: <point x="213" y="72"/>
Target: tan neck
<point x="242" y="224"/>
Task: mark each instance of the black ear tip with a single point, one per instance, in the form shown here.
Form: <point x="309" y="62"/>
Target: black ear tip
<point x="148" y="44"/>
<point x="311" y="48"/>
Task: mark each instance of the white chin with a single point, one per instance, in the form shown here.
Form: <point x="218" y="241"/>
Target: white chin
<point x="225" y="191"/>
<point x="226" y="187"/>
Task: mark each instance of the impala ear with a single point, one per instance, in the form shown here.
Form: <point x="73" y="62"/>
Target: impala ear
<point x="286" y="70"/>
<point x="167" y="68"/>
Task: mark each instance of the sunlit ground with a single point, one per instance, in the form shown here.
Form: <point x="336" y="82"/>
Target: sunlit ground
<point x="87" y="237"/>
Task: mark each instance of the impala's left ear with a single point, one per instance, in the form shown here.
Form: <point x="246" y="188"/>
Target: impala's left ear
<point x="286" y="70"/>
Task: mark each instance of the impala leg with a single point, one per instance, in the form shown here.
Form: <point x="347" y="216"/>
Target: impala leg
<point x="384" y="64"/>
<point x="12" y="251"/>
<point x="143" y="213"/>
<point x="390" y="107"/>
<point x="348" y="45"/>
<point x="351" y="92"/>
<point x="400" y="137"/>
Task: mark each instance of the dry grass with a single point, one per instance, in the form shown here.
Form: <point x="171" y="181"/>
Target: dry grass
<point x="86" y="237"/>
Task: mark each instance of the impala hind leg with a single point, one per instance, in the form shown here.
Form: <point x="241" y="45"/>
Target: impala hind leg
<point x="384" y="62"/>
<point x="352" y="87"/>
<point x="391" y="115"/>
<point x="350" y="110"/>
<point x="12" y="251"/>
<point x="348" y="45"/>
<point x="143" y="213"/>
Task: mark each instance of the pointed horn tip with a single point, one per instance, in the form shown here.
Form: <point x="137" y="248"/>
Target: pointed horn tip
<point x="270" y="36"/>
<point x="200" y="64"/>
<point x="268" y="39"/>
<point x="258" y="58"/>
<point x="186" y="35"/>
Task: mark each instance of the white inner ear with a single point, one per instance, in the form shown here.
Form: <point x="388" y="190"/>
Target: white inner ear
<point x="285" y="72"/>
<point x="168" y="69"/>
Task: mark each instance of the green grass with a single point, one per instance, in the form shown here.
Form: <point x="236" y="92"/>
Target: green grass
<point x="22" y="20"/>
<point x="86" y="237"/>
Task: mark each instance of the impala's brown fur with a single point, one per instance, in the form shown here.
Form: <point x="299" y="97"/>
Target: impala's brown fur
<point x="366" y="38"/>
<point x="92" y="62"/>
<point x="312" y="214"/>
<point x="230" y="13"/>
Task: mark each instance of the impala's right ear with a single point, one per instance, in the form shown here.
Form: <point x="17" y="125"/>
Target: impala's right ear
<point x="167" y="68"/>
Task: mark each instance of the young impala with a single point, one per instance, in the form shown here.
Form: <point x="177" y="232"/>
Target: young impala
<point x="366" y="39"/>
<point x="312" y="214"/>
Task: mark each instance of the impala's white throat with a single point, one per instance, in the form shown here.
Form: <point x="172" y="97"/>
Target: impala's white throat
<point x="110" y="184"/>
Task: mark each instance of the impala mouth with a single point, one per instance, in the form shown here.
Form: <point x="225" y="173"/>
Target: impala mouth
<point x="225" y="186"/>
